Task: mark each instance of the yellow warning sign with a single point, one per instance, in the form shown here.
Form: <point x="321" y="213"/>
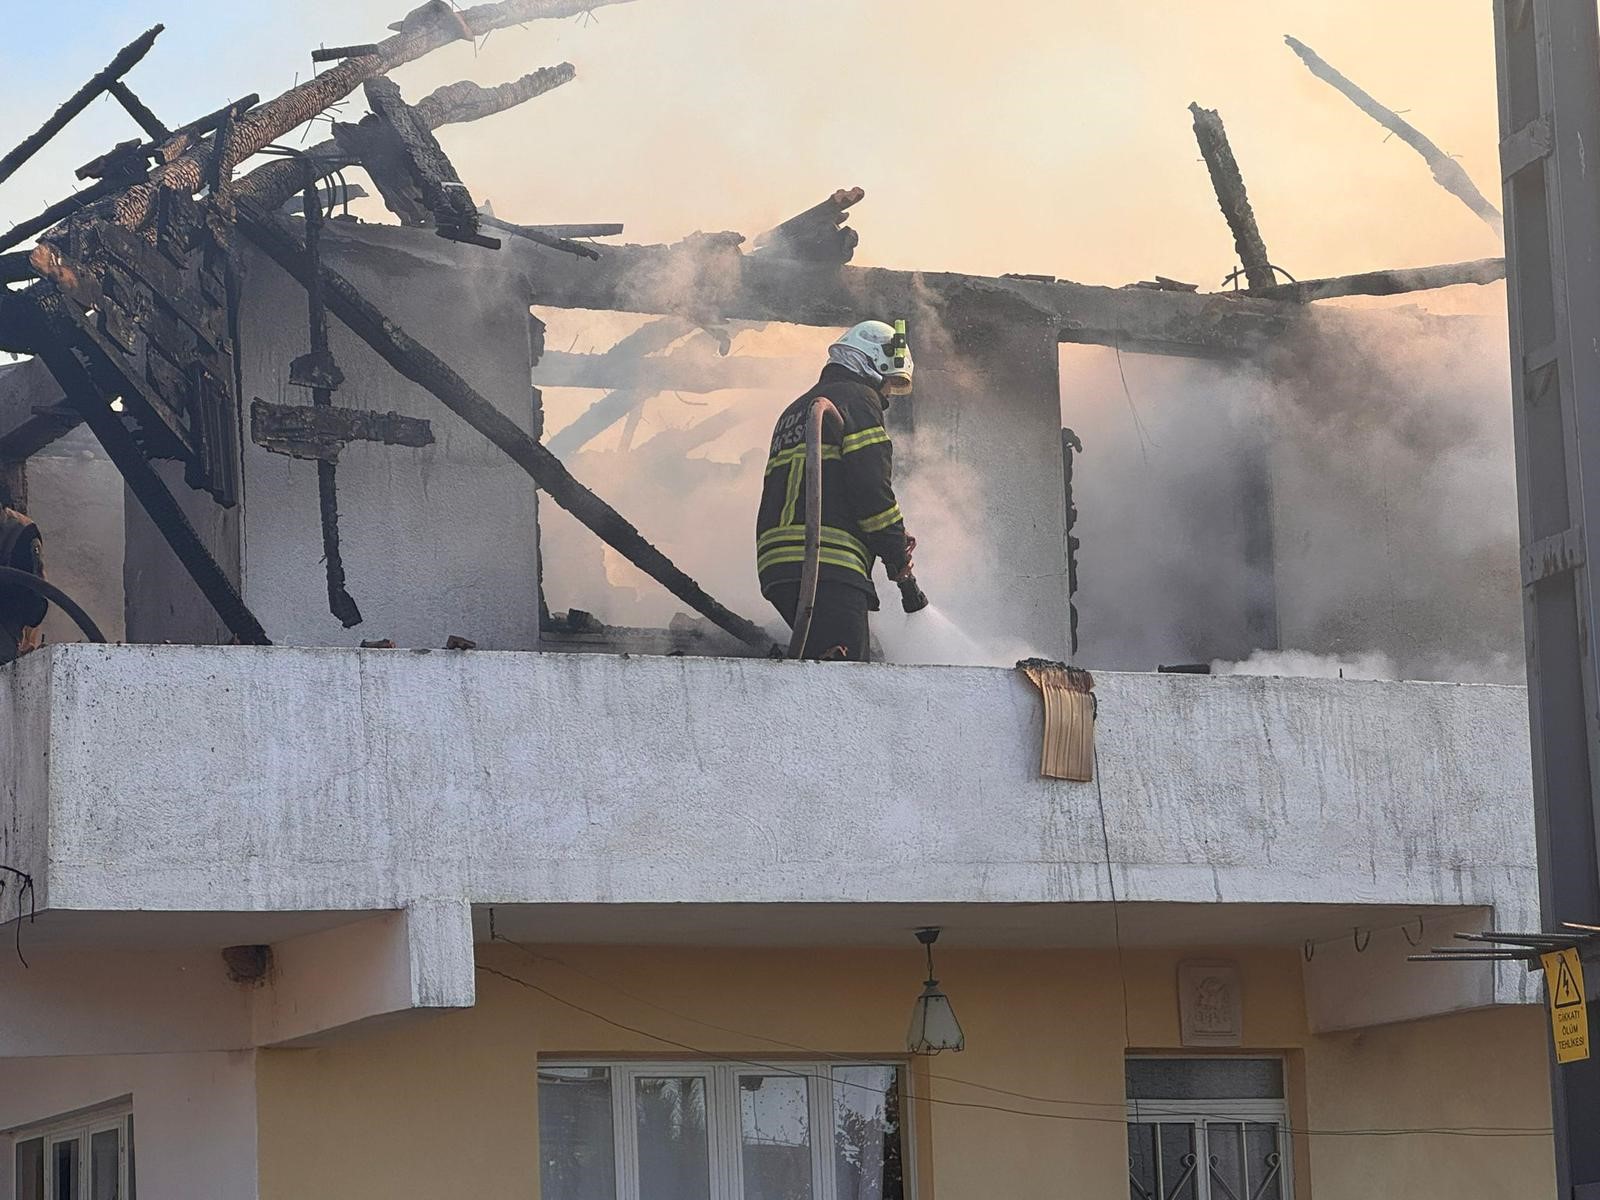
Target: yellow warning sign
<point x="1569" y="1012"/>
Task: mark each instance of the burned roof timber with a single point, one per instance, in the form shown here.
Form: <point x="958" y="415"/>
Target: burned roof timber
<point x="1226" y="179"/>
<point x="1447" y="172"/>
<point x="714" y="276"/>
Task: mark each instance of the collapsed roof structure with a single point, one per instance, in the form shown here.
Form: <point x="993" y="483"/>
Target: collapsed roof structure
<point x="131" y="300"/>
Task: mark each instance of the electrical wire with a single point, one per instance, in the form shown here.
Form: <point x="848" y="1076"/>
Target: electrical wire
<point x="786" y="1045"/>
<point x="1483" y="1131"/>
<point x="1133" y="411"/>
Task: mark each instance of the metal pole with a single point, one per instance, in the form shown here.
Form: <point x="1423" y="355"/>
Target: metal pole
<point x="1548" y="58"/>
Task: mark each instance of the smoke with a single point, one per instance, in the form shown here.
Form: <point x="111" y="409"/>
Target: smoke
<point x="1310" y="666"/>
<point x="1384" y="442"/>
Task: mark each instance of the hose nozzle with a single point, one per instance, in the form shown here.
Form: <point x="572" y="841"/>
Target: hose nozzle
<point x="912" y="598"/>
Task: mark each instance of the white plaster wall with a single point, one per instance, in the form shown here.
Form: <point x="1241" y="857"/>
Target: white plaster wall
<point x="320" y="779"/>
<point x="161" y="602"/>
<point x="76" y="496"/>
<point x="24" y="777"/>
<point x="436" y="541"/>
<point x="194" y="1115"/>
<point x="981" y="474"/>
<point x="110" y="1001"/>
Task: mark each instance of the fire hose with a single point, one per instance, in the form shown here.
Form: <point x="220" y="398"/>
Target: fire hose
<point x="912" y="598"/>
<point x="14" y="577"/>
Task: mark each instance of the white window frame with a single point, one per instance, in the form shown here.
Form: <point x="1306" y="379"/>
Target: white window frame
<point x="82" y="1126"/>
<point x="724" y="1147"/>
<point x="1201" y="1113"/>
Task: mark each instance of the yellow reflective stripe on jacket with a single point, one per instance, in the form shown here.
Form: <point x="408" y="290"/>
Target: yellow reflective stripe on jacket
<point x="861" y="439"/>
<point x="831" y="535"/>
<point x="784" y="457"/>
<point x="797" y="554"/>
<point x="791" y="494"/>
<point x="889" y="516"/>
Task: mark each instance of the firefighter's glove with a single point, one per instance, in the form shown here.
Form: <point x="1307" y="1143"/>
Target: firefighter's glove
<point x="905" y="571"/>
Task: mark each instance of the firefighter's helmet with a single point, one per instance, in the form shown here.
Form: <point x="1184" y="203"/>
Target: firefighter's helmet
<point x="886" y="348"/>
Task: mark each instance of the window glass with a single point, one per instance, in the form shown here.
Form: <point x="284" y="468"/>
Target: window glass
<point x="29" y="1160"/>
<point x="1264" y="1160"/>
<point x="775" y="1136"/>
<point x="1162" y="1164"/>
<point x="688" y="1131"/>
<point x="866" y="1133"/>
<point x="1205" y="1079"/>
<point x="674" y="1158"/>
<point x="1225" y="1158"/>
<point x="133" y="1173"/>
<point x="577" y="1155"/>
<point x="105" y="1165"/>
<point x="65" y="1183"/>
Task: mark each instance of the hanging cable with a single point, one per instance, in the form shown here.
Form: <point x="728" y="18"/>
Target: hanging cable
<point x="776" y="1068"/>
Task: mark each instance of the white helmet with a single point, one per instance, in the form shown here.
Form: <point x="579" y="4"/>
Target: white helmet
<point x="885" y="348"/>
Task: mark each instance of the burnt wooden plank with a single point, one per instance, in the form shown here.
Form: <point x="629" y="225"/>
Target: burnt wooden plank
<point x="454" y="212"/>
<point x="138" y="110"/>
<point x="319" y="434"/>
<point x="54" y="330"/>
<point x="386" y="166"/>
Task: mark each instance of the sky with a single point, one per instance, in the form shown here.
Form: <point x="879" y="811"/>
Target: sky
<point x="1047" y="136"/>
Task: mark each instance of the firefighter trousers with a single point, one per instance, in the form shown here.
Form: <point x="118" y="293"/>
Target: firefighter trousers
<point x="839" y="619"/>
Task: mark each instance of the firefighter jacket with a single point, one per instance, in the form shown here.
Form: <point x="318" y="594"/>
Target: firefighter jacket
<point x="861" y="520"/>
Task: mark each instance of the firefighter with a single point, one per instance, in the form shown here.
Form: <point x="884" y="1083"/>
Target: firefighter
<point x="21" y="611"/>
<point x="861" y="521"/>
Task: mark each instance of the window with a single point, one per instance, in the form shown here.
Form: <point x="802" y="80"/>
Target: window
<point x="83" y="1157"/>
<point x="1207" y="1129"/>
<point x="713" y="1131"/>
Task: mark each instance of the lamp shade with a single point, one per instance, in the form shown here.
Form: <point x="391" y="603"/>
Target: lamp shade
<point x="933" y="1023"/>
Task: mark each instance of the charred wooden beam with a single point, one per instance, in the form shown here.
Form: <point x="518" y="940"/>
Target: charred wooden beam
<point x="1387" y="283"/>
<point x="55" y="331"/>
<point x="121" y="159"/>
<point x="817" y="235"/>
<point x="14" y="267"/>
<point x="340" y="602"/>
<point x="61" y="210"/>
<point x="426" y="369"/>
<point x="276" y="182"/>
<point x="139" y="111"/>
<point x="385" y="164"/>
<point x="300" y="104"/>
<point x="535" y="234"/>
<point x="1229" y="186"/>
<point x="598" y="229"/>
<point x="131" y="155"/>
<point x="319" y="434"/>
<point x="334" y="53"/>
<point x="1447" y="172"/>
<point x="79" y="100"/>
<point x="455" y="215"/>
<point x="715" y="278"/>
<point x="464" y="100"/>
<point x="194" y="133"/>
